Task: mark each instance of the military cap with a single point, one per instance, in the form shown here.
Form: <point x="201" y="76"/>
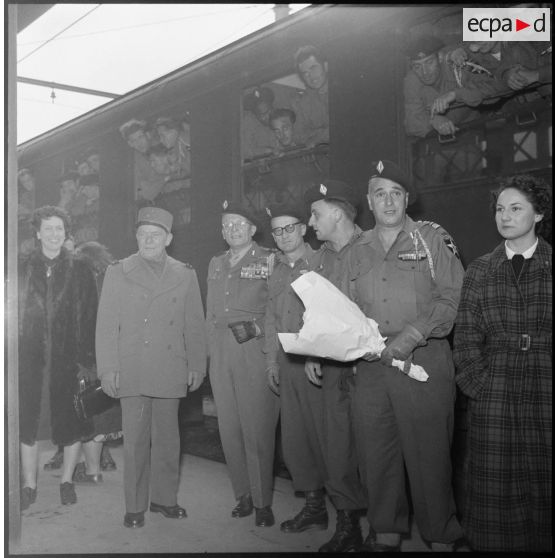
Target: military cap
<point x="422" y="47"/>
<point x="68" y="175"/>
<point x="389" y="170"/>
<point x="282" y="210"/>
<point x="151" y="215"/>
<point x="128" y="128"/>
<point x="333" y="190"/>
<point x="239" y="209"/>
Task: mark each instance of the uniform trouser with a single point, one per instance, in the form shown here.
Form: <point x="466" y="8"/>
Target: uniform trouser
<point x="302" y="428"/>
<point x="401" y="422"/>
<point x="342" y="484"/>
<point x="247" y="413"/>
<point x="151" y="450"/>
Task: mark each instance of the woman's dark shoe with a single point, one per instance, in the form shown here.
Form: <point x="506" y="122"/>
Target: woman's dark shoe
<point x="27" y="497"/>
<point x="80" y="476"/>
<point x="55" y="461"/>
<point x="134" y="520"/>
<point x="67" y="493"/>
<point x="264" y="517"/>
<point x="174" y="512"/>
<point x="244" y="507"/>
<point x="107" y="462"/>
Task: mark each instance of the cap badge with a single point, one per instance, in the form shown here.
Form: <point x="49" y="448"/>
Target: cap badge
<point x="225" y="204"/>
<point x="323" y="190"/>
<point x="268" y="211"/>
<point x="380" y="167"/>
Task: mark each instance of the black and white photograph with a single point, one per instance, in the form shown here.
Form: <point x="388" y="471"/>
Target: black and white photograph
<point x="279" y="278"/>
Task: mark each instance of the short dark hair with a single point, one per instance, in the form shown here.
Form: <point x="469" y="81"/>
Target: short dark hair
<point x="347" y="208"/>
<point x="536" y="190"/>
<point x="305" y="52"/>
<point x="128" y="128"/>
<point x="46" y="212"/>
<point x="281" y="112"/>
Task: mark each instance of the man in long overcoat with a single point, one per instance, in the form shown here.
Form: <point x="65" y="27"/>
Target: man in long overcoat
<point x="151" y="350"/>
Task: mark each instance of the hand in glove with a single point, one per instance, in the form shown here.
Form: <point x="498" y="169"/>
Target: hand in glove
<point x="244" y="331"/>
<point x="403" y="345"/>
<point x="88" y="375"/>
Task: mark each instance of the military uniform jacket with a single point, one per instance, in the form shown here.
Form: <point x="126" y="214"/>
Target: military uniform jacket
<point x="150" y="328"/>
<point x="418" y="281"/>
<point x="284" y="308"/>
<point x="238" y="293"/>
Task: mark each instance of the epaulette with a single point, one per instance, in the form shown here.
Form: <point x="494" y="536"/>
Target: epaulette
<point x="448" y="240"/>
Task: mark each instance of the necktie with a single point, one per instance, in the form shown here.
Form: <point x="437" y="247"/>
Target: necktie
<point x="517" y="263"/>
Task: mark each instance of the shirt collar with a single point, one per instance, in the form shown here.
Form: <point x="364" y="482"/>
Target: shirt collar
<point x="527" y="254"/>
<point x="308" y="252"/>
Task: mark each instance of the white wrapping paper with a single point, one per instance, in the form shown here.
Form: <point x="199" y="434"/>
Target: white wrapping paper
<point x="335" y="327"/>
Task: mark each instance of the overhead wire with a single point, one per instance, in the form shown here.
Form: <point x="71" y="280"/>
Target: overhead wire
<point x="153" y="23"/>
<point x="59" y="33"/>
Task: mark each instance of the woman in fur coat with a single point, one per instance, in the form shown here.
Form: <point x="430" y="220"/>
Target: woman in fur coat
<point x="503" y="351"/>
<point x="57" y="316"/>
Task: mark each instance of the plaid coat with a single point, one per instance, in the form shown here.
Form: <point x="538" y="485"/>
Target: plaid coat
<point x="509" y="494"/>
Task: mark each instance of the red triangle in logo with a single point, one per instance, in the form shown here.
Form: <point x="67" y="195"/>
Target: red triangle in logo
<point x="519" y="25"/>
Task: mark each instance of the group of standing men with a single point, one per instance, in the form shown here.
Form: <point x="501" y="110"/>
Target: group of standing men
<point x="349" y="430"/>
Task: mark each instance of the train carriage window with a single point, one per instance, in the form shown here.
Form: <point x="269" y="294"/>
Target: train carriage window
<point x="465" y="121"/>
<point x="162" y="163"/>
<point x="285" y="135"/>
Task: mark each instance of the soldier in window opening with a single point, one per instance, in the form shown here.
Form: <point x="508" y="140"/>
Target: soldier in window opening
<point x="247" y="410"/>
<point x="25" y="208"/>
<point x="151" y="351"/>
<point x="407" y="276"/>
<point x="431" y="87"/>
<point x="301" y="401"/>
<point x="68" y="189"/>
<point x="175" y="139"/>
<point x="334" y="206"/>
<point x="312" y="105"/>
<point x="85" y="209"/>
<point x="147" y="182"/>
<point x="257" y="137"/>
<point x="282" y="122"/>
<point x="94" y="160"/>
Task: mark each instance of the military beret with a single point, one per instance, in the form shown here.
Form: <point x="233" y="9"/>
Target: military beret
<point x="281" y="210"/>
<point x="333" y="190"/>
<point x="390" y="171"/>
<point x="258" y="95"/>
<point x="424" y="46"/>
<point x="151" y="215"/>
<point x="239" y="209"/>
<point x="68" y="175"/>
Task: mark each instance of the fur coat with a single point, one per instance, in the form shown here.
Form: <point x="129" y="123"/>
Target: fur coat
<point x="74" y="313"/>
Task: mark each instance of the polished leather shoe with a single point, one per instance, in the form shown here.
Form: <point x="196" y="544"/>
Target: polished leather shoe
<point x="312" y="516"/>
<point x="264" y="517"/>
<point x="174" y="512"/>
<point x="370" y="545"/>
<point x="244" y="507"/>
<point x="134" y="520"/>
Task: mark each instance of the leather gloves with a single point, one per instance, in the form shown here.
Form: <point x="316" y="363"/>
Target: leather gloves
<point x="244" y="331"/>
<point x="402" y="346"/>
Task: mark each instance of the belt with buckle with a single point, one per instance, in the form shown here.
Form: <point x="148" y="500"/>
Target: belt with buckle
<point x="519" y="342"/>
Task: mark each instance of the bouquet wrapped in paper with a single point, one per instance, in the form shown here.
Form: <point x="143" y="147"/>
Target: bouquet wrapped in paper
<point x="335" y="327"/>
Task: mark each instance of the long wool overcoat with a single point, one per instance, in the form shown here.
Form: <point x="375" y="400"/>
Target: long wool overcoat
<point x="74" y="307"/>
<point x="509" y="494"/>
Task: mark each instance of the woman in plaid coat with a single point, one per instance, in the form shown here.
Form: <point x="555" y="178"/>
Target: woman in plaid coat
<point x="503" y="351"/>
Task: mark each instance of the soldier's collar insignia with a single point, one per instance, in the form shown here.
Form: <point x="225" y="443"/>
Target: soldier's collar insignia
<point x="323" y="190"/>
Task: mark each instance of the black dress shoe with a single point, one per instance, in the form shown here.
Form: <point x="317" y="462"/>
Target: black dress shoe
<point x="174" y="512"/>
<point x="264" y="517"/>
<point x="244" y="507"/>
<point x="312" y="516"/>
<point x="67" y="493"/>
<point x="134" y="520"/>
<point x="27" y="497"/>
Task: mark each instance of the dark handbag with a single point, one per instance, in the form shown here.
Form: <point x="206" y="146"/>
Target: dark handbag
<point x="91" y="400"/>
